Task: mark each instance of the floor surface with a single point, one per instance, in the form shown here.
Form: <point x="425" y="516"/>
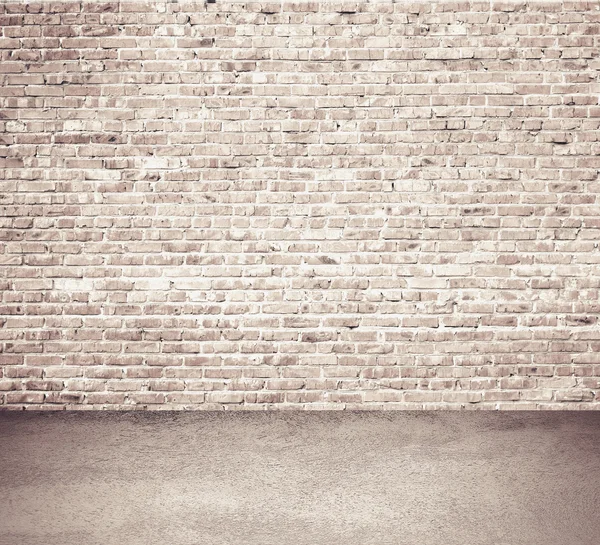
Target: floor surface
<point x="300" y="478"/>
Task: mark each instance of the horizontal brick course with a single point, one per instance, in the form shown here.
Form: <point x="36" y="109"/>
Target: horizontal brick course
<point x="320" y="205"/>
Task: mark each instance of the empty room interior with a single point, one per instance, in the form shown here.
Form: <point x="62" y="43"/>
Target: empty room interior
<point x="299" y="273"/>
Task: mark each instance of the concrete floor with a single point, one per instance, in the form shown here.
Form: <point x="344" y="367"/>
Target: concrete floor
<point x="300" y="478"/>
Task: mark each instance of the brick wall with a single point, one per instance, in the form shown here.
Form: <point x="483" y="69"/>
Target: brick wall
<point x="310" y="205"/>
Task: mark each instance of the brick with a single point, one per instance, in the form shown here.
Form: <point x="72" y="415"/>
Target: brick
<point x="225" y="397"/>
<point x="281" y="205"/>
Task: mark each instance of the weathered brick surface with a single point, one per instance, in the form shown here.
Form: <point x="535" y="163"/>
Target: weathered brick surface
<point x="317" y="205"/>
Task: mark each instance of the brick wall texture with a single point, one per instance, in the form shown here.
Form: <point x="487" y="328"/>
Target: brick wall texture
<point x="300" y="205"/>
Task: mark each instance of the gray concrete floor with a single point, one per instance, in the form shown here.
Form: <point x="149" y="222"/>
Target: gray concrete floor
<point x="300" y="478"/>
